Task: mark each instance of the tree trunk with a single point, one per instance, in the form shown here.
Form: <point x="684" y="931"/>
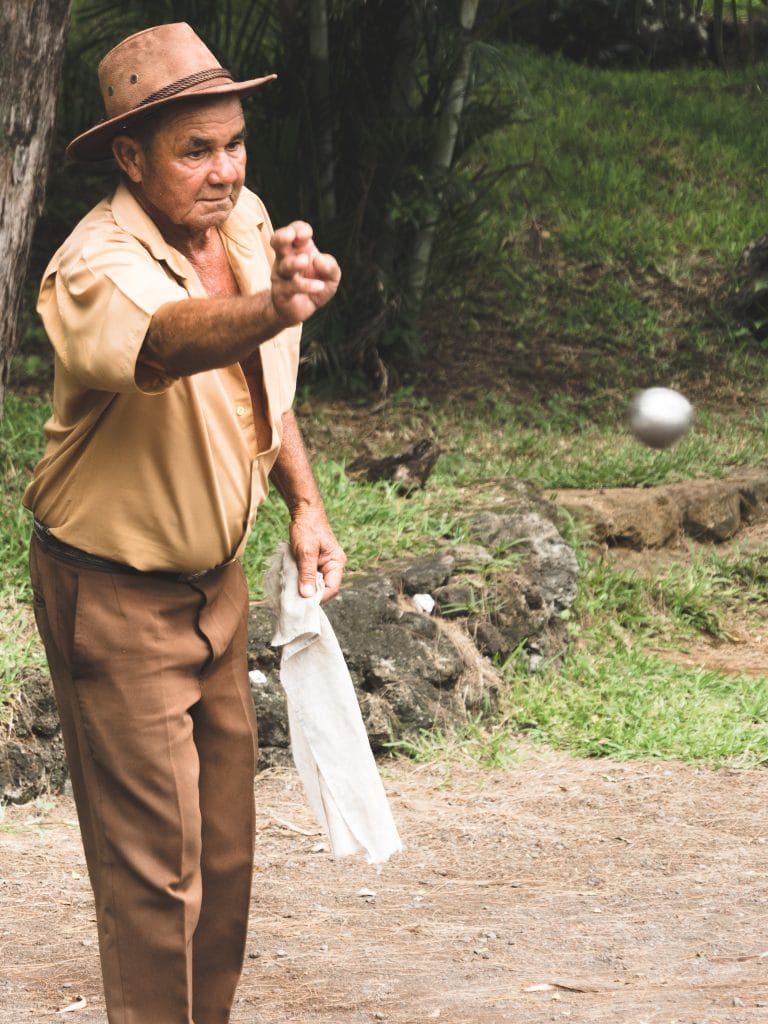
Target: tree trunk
<point x="32" y="38"/>
<point x="442" y="154"/>
<point x="321" y="106"/>
<point x="717" y="32"/>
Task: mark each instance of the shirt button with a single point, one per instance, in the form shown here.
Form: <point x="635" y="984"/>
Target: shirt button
<point x="240" y="410"/>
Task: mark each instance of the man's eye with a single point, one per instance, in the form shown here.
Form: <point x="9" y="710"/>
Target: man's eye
<point x="196" y="154"/>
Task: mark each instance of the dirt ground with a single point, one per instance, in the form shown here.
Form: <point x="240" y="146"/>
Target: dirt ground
<point x="557" y="890"/>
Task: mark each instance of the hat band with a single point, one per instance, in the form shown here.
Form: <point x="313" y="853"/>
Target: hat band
<point x="184" y="83"/>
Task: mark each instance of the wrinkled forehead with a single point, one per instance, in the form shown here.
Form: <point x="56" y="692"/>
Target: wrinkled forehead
<point x="209" y="116"/>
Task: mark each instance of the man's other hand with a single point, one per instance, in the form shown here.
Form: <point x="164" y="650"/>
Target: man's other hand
<point x="316" y="549"/>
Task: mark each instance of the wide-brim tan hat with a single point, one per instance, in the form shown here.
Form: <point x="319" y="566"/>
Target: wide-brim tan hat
<point x="148" y="70"/>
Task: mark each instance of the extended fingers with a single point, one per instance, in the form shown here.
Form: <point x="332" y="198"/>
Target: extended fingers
<point x="325" y="267"/>
<point x="296" y="252"/>
<point x="303" y="279"/>
<point x="294" y="237"/>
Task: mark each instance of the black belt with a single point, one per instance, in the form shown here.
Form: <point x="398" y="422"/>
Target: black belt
<point x="85" y="560"/>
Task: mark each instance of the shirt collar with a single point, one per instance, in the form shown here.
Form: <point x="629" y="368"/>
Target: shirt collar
<point x="238" y="228"/>
<point x="131" y="216"/>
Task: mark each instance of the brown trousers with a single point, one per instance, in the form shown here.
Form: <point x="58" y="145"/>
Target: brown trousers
<point x="152" y="687"/>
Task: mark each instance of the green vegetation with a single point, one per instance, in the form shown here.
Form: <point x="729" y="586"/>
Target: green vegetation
<point x="374" y="521"/>
<point x="21" y="443"/>
<point x="632" y="705"/>
<point x="618" y="695"/>
<point x="602" y="264"/>
<point x="609" y="246"/>
<point x="671" y="158"/>
<point x="560" y="442"/>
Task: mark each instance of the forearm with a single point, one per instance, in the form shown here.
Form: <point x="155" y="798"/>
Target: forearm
<point x="194" y="335"/>
<point x="292" y="473"/>
<point x="314" y="545"/>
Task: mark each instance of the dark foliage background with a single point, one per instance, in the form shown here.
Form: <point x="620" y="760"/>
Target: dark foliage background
<point x="349" y="142"/>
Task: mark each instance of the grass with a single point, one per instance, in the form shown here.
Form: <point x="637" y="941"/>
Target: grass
<point x="608" y="259"/>
<point x="20" y="446"/>
<point x="476" y="742"/>
<point x="615" y="694"/>
<point x="669" y="159"/>
<point x="618" y="235"/>
<point x="579" y="451"/>
<point x="632" y="704"/>
<point x="555" y="442"/>
<point x="374" y="523"/>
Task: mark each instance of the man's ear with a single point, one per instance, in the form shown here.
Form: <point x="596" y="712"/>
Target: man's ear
<point x="129" y="156"/>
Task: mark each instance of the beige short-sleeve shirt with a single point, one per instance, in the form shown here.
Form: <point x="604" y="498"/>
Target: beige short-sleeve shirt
<point x="166" y="475"/>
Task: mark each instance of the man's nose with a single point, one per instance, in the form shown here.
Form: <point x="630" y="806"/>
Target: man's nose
<point x="224" y="169"/>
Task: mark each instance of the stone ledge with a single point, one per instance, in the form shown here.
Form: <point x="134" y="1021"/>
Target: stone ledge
<point x="708" y="511"/>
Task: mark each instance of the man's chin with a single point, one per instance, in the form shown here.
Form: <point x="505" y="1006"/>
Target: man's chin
<point x="214" y="212"/>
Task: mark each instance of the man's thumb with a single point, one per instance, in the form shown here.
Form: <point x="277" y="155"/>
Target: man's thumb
<point x="307" y="578"/>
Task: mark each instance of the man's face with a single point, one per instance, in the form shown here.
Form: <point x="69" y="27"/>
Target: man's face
<point x="189" y="175"/>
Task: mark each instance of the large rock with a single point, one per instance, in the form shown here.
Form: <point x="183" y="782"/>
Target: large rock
<point x="711" y="510"/>
<point x="405" y="668"/>
<point x="753" y="494"/>
<point x="503" y="591"/>
<point x="32" y="753"/>
<point x="548" y="564"/>
<point x="412" y="670"/>
<point x="625" y="516"/>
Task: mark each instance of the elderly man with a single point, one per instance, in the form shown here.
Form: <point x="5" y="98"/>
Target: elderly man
<point x="174" y="312"/>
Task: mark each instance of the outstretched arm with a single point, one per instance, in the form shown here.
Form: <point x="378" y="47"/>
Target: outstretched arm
<point x="193" y="335"/>
<point x="312" y="540"/>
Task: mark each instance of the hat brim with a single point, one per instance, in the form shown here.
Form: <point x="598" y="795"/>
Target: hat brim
<point x="95" y="145"/>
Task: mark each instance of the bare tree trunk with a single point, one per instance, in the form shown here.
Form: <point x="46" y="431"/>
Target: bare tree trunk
<point x="404" y="90"/>
<point x="442" y="156"/>
<point x="32" y="39"/>
<point x="321" y="105"/>
<point x="717" y="32"/>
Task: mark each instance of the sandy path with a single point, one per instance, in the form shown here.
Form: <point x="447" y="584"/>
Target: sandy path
<point x="557" y="890"/>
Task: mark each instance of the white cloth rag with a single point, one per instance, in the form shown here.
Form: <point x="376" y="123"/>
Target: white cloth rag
<point x="328" y="739"/>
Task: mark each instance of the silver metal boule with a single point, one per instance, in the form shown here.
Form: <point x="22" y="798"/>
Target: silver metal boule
<point x="660" y="416"/>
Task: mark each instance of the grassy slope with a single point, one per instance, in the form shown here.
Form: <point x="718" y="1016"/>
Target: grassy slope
<point x="604" y="265"/>
<point x="648" y="186"/>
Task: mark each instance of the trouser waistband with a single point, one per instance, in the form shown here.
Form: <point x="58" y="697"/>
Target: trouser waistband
<point x="86" y="560"/>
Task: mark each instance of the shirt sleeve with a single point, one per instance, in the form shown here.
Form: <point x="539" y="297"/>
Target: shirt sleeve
<point x="97" y="305"/>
